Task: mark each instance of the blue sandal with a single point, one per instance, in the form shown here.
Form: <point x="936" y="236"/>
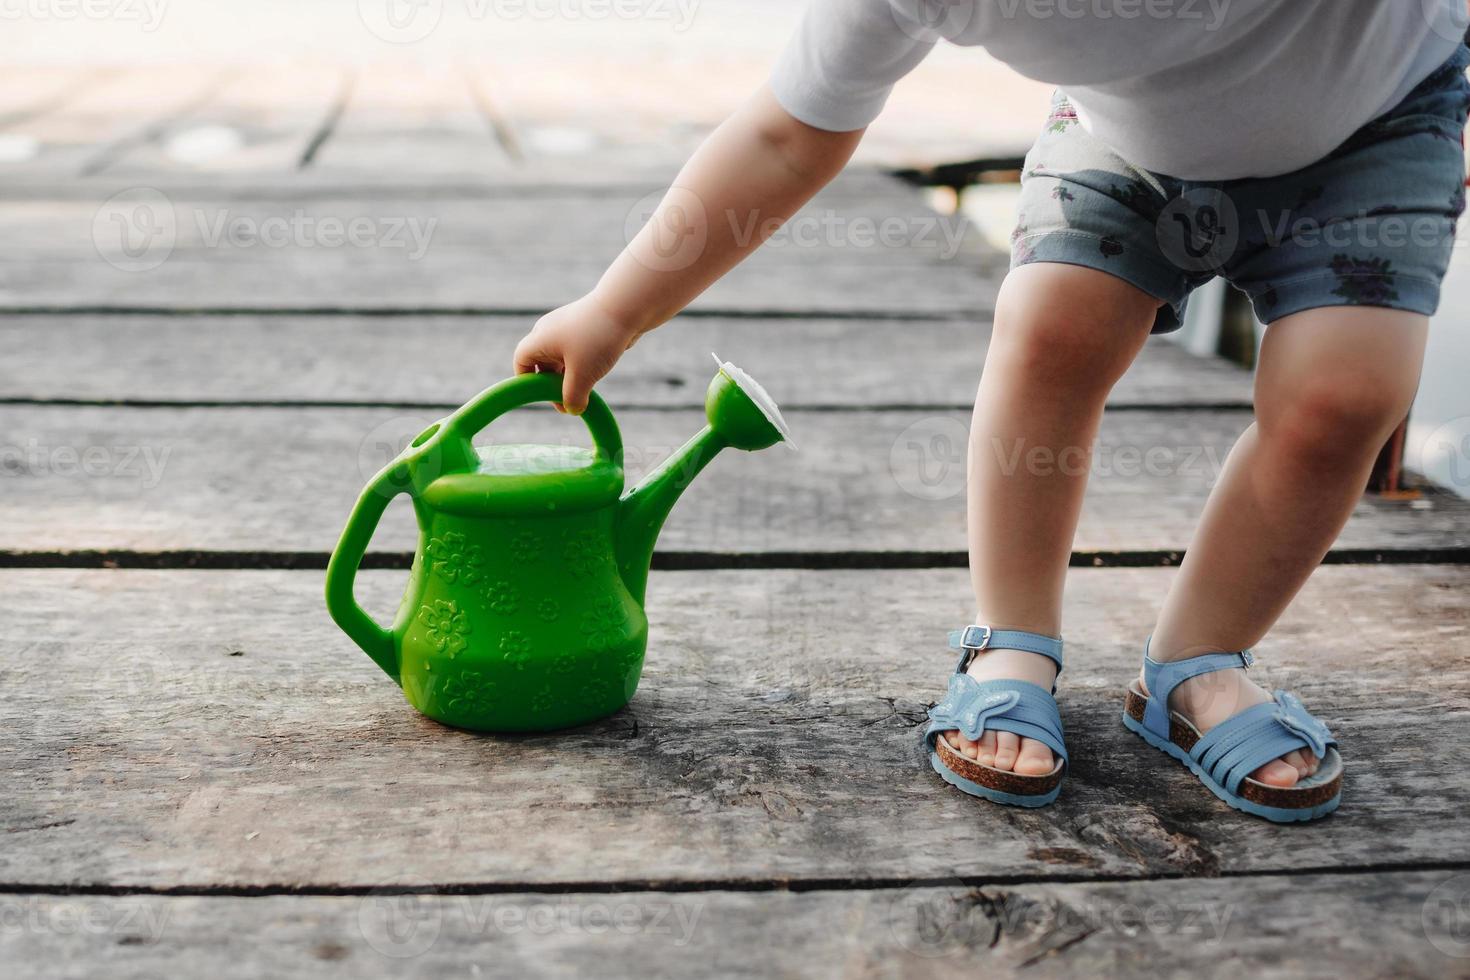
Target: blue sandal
<point x="972" y="706"/>
<point x="1224" y="757"/>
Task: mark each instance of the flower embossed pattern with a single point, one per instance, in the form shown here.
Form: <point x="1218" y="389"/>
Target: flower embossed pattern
<point x="548" y="610"/>
<point x="606" y="625"/>
<point x="448" y="625"/>
<point x="595" y="693"/>
<point x="469" y="691"/>
<point x="543" y="700"/>
<point x="629" y="657"/>
<point x="525" y="547"/>
<point x="502" y="598"/>
<point x="565" y="662"/>
<point x="516" y="649"/>
<point x="454" y="559"/>
<point x="583" y="554"/>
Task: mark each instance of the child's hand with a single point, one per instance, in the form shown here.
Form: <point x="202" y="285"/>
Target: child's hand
<point x="755" y="171"/>
<point x="580" y="341"/>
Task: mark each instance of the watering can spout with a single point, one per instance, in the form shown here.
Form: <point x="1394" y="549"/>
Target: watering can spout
<point x="741" y="415"/>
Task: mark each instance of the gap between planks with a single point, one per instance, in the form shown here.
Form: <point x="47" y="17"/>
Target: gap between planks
<point x="58" y="99"/>
<point x="495" y="120"/>
<point x="150" y="132"/>
<point x="431" y="406"/>
<point x="674" y="561"/>
<point x="685" y="886"/>
<point x="329" y="122"/>
<point x="917" y="316"/>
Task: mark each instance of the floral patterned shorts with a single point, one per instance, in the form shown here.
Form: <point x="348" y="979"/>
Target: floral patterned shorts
<point x="1372" y="224"/>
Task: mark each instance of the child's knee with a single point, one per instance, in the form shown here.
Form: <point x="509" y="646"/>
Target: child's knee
<point x="1333" y="383"/>
<point x="1337" y="416"/>
<point x="1067" y="327"/>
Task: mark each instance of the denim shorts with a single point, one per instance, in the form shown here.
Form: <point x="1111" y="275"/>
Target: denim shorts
<point x="1372" y="224"/>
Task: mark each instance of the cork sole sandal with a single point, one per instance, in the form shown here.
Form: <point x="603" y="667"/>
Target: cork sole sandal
<point x="1012" y="789"/>
<point x="971" y="707"/>
<point x="1224" y="757"/>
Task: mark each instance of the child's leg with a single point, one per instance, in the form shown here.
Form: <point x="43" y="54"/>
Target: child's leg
<point x="1330" y="387"/>
<point x="1063" y="336"/>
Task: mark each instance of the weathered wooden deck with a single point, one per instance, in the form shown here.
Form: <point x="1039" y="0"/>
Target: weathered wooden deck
<point x="205" y="778"/>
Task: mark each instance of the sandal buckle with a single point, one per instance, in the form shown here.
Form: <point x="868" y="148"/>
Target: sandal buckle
<point x="1247" y="659"/>
<point x="975" y="638"/>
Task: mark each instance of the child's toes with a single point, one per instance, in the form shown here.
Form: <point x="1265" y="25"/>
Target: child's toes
<point x="1035" y="758"/>
<point x="1298" y="761"/>
<point x="1007" y="747"/>
<point x="987" y="749"/>
<point x="1313" y="763"/>
<point x="1277" y="772"/>
<point x="965" y="747"/>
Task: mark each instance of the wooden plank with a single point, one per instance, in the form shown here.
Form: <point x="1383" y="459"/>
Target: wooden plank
<point x="110" y="111"/>
<point x="1353" y="925"/>
<point x="264" y="479"/>
<point x="398" y="361"/>
<point x="894" y="229"/>
<point x="356" y="280"/>
<point x="411" y="117"/>
<point x="214" y="730"/>
<point x="648" y="110"/>
<point x="26" y="94"/>
<point x="876" y="222"/>
<point x="646" y="113"/>
<point x="311" y="185"/>
<point x="262" y="121"/>
<point x="876" y="253"/>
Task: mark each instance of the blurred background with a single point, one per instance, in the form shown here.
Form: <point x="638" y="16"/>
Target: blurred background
<point x="605" y="84"/>
<point x="101" y="97"/>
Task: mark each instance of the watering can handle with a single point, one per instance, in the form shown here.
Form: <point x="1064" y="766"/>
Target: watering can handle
<point x="527" y="389"/>
<point x="375" y="641"/>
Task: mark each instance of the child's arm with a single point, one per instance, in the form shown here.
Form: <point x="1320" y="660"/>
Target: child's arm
<point x="748" y="177"/>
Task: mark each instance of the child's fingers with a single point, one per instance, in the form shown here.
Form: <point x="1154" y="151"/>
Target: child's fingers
<point x="531" y="356"/>
<point x="534" y="363"/>
<point x="575" y="387"/>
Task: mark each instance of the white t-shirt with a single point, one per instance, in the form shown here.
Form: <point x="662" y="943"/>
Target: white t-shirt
<point x="1195" y="89"/>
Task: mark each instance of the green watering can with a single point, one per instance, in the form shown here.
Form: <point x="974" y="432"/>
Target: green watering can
<point x="524" y="606"/>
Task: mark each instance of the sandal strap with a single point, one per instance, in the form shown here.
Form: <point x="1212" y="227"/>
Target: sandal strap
<point x="1241" y="744"/>
<point x="1162" y="678"/>
<point x="972" y="707"/>
<point x="973" y="639"/>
